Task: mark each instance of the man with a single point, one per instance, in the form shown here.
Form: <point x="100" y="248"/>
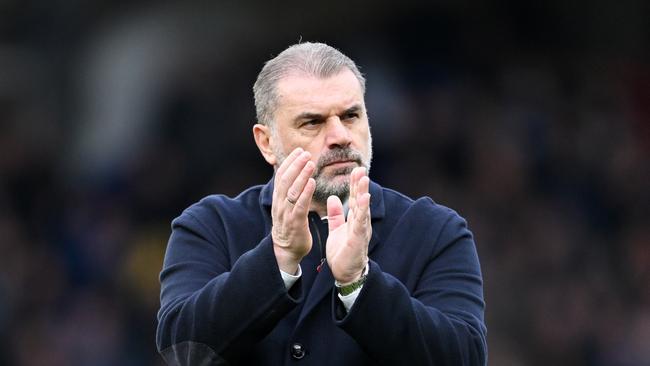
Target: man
<point x="320" y="266"/>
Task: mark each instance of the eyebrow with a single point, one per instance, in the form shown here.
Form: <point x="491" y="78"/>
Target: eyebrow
<point x="354" y="109"/>
<point x="307" y="116"/>
<point x="317" y="116"/>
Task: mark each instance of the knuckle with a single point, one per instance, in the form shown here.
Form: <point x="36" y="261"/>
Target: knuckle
<point x="291" y="194"/>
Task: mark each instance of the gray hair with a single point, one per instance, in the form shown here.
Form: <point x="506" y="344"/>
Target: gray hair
<point x="314" y="59"/>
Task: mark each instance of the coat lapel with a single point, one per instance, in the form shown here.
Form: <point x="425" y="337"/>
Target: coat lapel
<point x="323" y="285"/>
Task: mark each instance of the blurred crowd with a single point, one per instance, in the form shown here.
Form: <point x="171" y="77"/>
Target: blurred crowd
<point x="532" y="125"/>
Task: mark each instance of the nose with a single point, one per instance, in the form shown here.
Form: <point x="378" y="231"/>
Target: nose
<point x="337" y="133"/>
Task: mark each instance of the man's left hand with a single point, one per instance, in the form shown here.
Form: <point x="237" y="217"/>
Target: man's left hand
<point x="347" y="243"/>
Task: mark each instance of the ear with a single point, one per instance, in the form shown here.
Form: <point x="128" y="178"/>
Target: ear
<point x="262" y="135"/>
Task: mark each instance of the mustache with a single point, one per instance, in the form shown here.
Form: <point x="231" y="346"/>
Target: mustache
<point x="339" y="154"/>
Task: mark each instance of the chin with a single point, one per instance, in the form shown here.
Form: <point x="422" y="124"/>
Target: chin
<point x="340" y="179"/>
<point x="342" y="172"/>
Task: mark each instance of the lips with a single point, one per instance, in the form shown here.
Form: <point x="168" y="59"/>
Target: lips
<point x="340" y="163"/>
<point x="339" y="159"/>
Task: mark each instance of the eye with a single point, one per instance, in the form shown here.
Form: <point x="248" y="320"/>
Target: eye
<point x="351" y="115"/>
<point x="312" y="123"/>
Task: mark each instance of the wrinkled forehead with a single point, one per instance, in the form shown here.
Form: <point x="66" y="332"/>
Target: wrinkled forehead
<point x="300" y="92"/>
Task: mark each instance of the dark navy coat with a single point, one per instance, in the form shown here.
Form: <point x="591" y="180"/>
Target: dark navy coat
<point x="223" y="300"/>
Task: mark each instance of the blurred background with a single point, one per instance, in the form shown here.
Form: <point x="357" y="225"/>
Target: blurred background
<point x="531" y="119"/>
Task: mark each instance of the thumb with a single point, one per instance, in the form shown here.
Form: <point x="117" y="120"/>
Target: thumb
<point x="335" y="216"/>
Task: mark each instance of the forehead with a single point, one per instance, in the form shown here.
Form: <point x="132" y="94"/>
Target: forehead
<point x="298" y="93"/>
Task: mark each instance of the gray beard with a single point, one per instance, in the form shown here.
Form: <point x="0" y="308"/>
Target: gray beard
<point x="325" y="187"/>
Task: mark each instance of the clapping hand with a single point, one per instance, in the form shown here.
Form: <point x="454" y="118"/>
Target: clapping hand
<point x="347" y="243"/>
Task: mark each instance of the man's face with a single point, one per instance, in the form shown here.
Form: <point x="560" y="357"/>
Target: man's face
<point x="328" y="118"/>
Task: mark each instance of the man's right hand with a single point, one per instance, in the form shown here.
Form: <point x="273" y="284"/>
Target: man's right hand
<point x="292" y="192"/>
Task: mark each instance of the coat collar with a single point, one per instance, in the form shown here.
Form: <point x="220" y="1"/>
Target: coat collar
<point x="377" y="208"/>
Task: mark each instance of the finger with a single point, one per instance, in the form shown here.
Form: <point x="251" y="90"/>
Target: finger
<point x="335" y="216"/>
<point x="352" y="199"/>
<point x="363" y="186"/>
<point x="287" y="162"/>
<point x="362" y="210"/>
<point x="298" y="185"/>
<point x="356" y="175"/>
<point x="304" y="200"/>
<point x="291" y="173"/>
<point x="360" y="223"/>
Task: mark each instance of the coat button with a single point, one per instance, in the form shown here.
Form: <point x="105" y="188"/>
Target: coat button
<point x="297" y="351"/>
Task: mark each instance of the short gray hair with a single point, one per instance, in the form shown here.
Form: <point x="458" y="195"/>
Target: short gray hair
<point x="314" y="59"/>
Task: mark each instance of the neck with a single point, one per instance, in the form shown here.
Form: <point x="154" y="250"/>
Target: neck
<point x="321" y="208"/>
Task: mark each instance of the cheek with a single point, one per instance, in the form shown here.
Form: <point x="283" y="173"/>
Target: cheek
<point x="315" y="155"/>
<point x="362" y="139"/>
<point x="279" y="151"/>
<point x="288" y="144"/>
<point x="315" y="147"/>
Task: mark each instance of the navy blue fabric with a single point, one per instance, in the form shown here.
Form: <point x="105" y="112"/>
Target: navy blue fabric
<point x="422" y="303"/>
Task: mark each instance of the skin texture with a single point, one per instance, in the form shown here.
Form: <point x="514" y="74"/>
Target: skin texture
<point x="315" y="120"/>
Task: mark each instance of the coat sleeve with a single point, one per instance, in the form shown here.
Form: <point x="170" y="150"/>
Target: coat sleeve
<point x="211" y="310"/>
<point x="441" y="322"/>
